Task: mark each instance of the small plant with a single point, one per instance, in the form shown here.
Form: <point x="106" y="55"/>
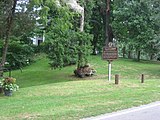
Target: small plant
<point x="9" y="85"/>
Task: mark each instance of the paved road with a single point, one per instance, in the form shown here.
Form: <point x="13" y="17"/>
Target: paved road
<point x="145" y="112"/>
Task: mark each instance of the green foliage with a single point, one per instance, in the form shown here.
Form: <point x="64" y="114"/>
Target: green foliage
<point x="83" y="47"/>
<point x="19" y="55"/>
<point x="63" y="42"/>
<point x="5" y="6"/>
<point x="38" y="48"/>
<point x="24" y="20"/>
<point x="97" y="24"/>
<point x="64" y="51"/>
<point x="58" y="44"/>
<point x="133" y="25"/>
<point x="17" y="28"/>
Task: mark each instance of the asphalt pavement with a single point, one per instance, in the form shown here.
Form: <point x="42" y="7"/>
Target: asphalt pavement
<point x="145" y="112"/>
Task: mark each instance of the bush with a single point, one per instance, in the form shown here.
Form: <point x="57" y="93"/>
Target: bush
<point x="19" y="55"/>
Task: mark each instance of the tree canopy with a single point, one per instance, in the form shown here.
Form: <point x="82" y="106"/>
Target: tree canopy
<point x="74" y="29"/>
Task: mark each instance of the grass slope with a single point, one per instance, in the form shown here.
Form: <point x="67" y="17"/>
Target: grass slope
<point x="57" y="95"/>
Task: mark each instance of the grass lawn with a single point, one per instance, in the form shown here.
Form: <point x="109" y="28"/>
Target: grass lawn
<point x="47" y="94"/>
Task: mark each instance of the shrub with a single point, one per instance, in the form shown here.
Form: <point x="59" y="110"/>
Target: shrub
<point x="19" y="55"/>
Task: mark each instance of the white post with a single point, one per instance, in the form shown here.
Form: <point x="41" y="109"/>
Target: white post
<point x="109" y="71"/>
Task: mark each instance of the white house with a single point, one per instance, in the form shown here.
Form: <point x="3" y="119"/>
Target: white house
<point x="37" y="40"/>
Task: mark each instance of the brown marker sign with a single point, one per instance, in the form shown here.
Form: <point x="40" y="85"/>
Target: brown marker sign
<point x="110" y="53"/>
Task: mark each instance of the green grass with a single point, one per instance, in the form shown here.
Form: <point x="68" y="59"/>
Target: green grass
<point x="58" y="95"/>
<point x="127" y="68"/>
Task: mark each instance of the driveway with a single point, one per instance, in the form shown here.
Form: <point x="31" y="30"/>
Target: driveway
<point x="144" y="112"/>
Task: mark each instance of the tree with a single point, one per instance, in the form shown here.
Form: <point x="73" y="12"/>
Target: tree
<point x="133" y="26"/>
<point x="18" y="55"/>
<point x="109" y="36"/>
<point x="94" y="24"/>
<point x="19" y="34"/>
<point x="153" y="47"/>
<point x="11" y="5"/>
<point x="66" y="43"/>
<point x="24" y="22"/>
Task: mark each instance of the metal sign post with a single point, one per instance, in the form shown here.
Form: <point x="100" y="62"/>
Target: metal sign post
<point x="109" y="70"/>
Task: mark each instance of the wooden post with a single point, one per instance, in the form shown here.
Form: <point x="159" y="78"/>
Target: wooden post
<point x="117" y="79"/>
<point x="142" y="78"/>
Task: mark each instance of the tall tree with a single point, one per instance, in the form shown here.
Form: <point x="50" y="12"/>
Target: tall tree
<point x="108" y="27"/>
<point x="68" y="39"/>
<point x="11" y="4"/>
<point x="133" y="25"/>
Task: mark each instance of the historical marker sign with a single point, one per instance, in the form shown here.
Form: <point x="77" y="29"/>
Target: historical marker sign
<point x="110" y="53"/>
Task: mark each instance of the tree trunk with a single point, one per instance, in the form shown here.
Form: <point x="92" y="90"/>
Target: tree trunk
<point x="107" y="21"/>
<point x="151" y="56"/>
<point x="80" y="56"/>
<point x="124" y="51"/>
<point x="138" y="55"/>
<point x="94" y="44"/>
<point x="129" y="54"/>
<point x="94" y="50"/>
<point x="7" y="34"/>
<point x="82" y="21"/>
<point x="79" y="60"/>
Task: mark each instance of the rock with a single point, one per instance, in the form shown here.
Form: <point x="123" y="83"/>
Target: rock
<point x="84" y="71"/>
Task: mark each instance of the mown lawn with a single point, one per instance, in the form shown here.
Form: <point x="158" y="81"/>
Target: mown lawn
<point x="47" y="94"/>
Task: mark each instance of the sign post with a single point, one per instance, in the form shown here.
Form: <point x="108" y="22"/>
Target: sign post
<point x="109" y="70"/>
<point x="110" y="53"/>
